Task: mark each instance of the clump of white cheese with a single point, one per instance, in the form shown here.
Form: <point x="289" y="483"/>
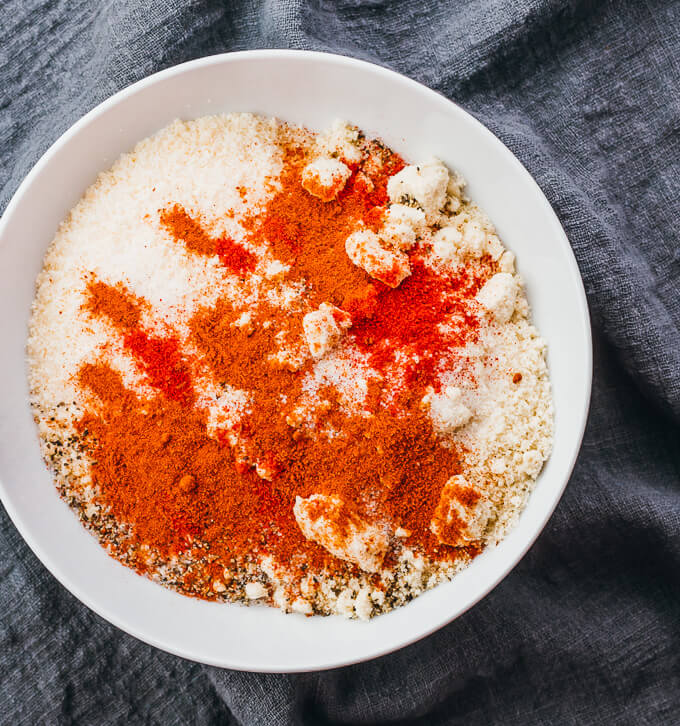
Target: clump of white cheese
<point x="499" y="296"/>
<point x="402" y="226"/>
<point x="461" y="515"/>
<point x="465" y="237"/>
<point x="328" y="521"/>
<point x="324" y="327"/>
<point x="325" y="178"/>
<point x="365" y="249"/>
<point x="341" y="141"/>
<point x="447" y="410"/>
<point x="423" y="186"/>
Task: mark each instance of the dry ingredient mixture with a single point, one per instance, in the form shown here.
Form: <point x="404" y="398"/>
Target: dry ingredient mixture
<point x="277" y="366"/>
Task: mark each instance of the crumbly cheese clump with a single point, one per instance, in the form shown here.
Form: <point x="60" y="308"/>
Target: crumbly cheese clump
<point x="424" y="185"/>
<point x="341" y="141"/>
<point x="461" y="515"/>
<point x="447" y="409"/>
<point x="330" y="522"/>
<point x="325" y="178"/>
<point x="365" y="250"/>
<point x="324" y="327"/>
<point x="499" y="296"/>
<point x="403" y="226"/>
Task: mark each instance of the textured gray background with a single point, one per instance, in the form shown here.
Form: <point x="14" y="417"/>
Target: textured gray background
<point x="586" y="628"/>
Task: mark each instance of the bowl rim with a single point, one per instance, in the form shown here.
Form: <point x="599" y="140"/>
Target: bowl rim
<point x="110" y="615"/>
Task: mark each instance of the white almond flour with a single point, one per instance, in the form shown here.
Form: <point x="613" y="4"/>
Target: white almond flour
<point x="110" y="232"/>
<point x="487" y="397"/>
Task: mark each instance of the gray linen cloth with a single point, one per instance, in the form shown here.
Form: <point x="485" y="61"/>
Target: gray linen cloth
<point x="586" y="629"/>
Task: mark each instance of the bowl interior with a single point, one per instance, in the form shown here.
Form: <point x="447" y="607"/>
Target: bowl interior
<point x="313" y="89"/>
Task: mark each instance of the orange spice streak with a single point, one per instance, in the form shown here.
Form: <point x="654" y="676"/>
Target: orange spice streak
<point x="310" y="234"/>
<point x="389" y="466"/>
<point x="409" y="319"/>
<point x="161" y="359"/>
<point x="233" y="256"/>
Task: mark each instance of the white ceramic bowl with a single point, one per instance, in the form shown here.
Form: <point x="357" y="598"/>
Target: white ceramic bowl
<point x="313" y="89"/>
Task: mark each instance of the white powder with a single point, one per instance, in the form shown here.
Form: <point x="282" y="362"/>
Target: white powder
<point x="510" y="435"/>
<point x="121" y="240"/>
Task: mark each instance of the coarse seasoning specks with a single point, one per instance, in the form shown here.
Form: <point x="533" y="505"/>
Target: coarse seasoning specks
<point x="272" y="366"/>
